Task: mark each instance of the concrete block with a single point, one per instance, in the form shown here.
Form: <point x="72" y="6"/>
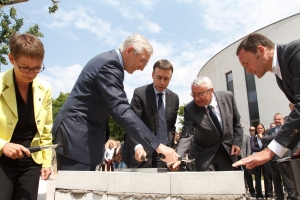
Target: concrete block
<point x="231" y="182"/>
<point x="136" y="182"/>
<point x="82" y="180"/>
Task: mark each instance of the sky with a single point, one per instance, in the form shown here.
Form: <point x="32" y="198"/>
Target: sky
<point x="186" y="32"/>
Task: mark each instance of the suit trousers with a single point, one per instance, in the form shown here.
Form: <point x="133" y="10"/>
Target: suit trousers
<point x="257" y="175"/>
<point x="280" y="173"/>
<point x="248" y="179"/>
<point x="220" y="162"/>
<point x="19" y="181"/>
<point x="64" y="163"/>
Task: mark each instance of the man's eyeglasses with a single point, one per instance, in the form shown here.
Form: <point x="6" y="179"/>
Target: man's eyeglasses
<point x="200" y="94"/>
<point x="251" y="130"/>
<point x="35" y="70"/>
<point x="144" y="62"/>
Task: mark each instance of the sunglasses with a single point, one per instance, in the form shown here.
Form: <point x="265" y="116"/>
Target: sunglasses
<point x="251" y="130"/>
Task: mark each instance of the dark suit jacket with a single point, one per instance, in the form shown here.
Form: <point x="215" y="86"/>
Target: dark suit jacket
<point x="289" y="62"/>
<point x="207" y="139"/>
<point x="144" y="105"/>
<point x="81" y="124"/>
<point x="255" y="146"/>
<point x="268" y="137"/>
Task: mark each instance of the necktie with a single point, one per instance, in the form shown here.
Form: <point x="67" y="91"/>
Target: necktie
<point x="162" y="133"/>
<point x="214" y="118"/>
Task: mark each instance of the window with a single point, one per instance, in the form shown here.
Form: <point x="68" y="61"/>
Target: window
<point x="229" y="80"/>
<point x="252" y="99"/>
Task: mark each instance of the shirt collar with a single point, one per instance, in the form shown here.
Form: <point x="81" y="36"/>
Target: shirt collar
<point x="156" y="92"/>
<point x="213" y="102"/>
<point x="275" y="64"/>
<point x="120" y="57"/>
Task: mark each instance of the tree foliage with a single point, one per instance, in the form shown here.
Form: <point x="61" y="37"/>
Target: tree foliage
<point x="116" y="131"/>
<point x="11" y="24"/>
<point x="181" y="114"/>
<point x="58" y="102"/>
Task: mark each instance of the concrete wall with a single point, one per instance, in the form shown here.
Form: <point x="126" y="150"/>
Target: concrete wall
<point x="270" y="98"/>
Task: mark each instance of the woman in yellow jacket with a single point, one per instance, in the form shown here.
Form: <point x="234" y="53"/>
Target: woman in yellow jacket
<point x="25" y="120"/>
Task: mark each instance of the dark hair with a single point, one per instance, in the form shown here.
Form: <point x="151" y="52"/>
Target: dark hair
<point x="257" y="126"/>
<point x="251" y="42"/>
<point x="163" y="64"/>
<point x="26" y="45"/>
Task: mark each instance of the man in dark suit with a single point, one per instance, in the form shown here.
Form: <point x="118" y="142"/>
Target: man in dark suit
<point x="81" y="125"/>
<point x="145" y="103"/>
<point x="259" y="55"/>
<point x="215" y="121"/>
<point x="280" y="171"/>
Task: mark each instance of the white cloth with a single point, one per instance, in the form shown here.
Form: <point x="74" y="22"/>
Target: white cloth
<point x="108" y="154"/>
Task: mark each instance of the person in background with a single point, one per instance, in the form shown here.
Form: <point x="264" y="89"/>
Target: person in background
<point x="108" y="156"/>
<point x="25" y="120"/>
<point x="272" y="125"/>
<point x="175" y="142"/>
<point x="117" y="157"/>
<point x="257" y="146"/>
<point x="280" y="171"/>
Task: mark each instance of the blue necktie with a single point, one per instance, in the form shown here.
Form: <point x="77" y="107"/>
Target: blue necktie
<point x="162" y="133"/>
<point x="214" y="118"/>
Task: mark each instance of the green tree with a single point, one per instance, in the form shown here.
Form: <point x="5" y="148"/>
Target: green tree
<point x="181" y="114"/>
<point x="116" y="131"/>
<point x="10" y="24"/>
<point x="58" y="102"/>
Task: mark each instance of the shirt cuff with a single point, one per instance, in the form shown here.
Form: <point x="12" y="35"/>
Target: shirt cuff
<point x="277" y="148"/>
<point x="137" y="146"/>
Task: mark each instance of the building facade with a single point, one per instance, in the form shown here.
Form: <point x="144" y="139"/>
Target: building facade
<point x="257" y="99"/>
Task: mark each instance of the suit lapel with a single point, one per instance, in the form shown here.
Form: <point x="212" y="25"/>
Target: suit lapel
<point x="222" y="108"/>
<point x="8" y="92"/>
<point x="152" y="98"/>
<point x="38" y="97"/>
<point x="168" y="108"/>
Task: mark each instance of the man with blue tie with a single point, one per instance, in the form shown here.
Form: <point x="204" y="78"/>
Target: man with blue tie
<point x="157" y="107"/>
<point x="279" y="171"/>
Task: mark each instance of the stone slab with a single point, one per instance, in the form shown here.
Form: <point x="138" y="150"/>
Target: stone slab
<point x="229" y="182"/>
<point x="136" y="182"/>
<point x="82" y="180"/>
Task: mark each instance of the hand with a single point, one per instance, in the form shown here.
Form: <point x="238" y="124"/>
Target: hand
<point x="235" y="150"/>
<point x="15" y="151"/>
<point x="255" y="159"/>
<point x="139" y="152"/>
<point x="174" y="167"/>
<point x="297" y="152"/>
<point x="170" y="155"/>
<point x="260" y="136"/>
<point x="45" y="173"/>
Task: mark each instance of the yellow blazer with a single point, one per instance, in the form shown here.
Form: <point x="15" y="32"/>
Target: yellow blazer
<point x="42" y="101"/>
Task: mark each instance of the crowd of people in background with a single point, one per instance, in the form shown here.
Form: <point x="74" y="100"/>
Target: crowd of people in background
<point x="277" y="178"/>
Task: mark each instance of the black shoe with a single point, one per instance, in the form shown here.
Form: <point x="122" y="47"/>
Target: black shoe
<point x="253" y="194"/>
